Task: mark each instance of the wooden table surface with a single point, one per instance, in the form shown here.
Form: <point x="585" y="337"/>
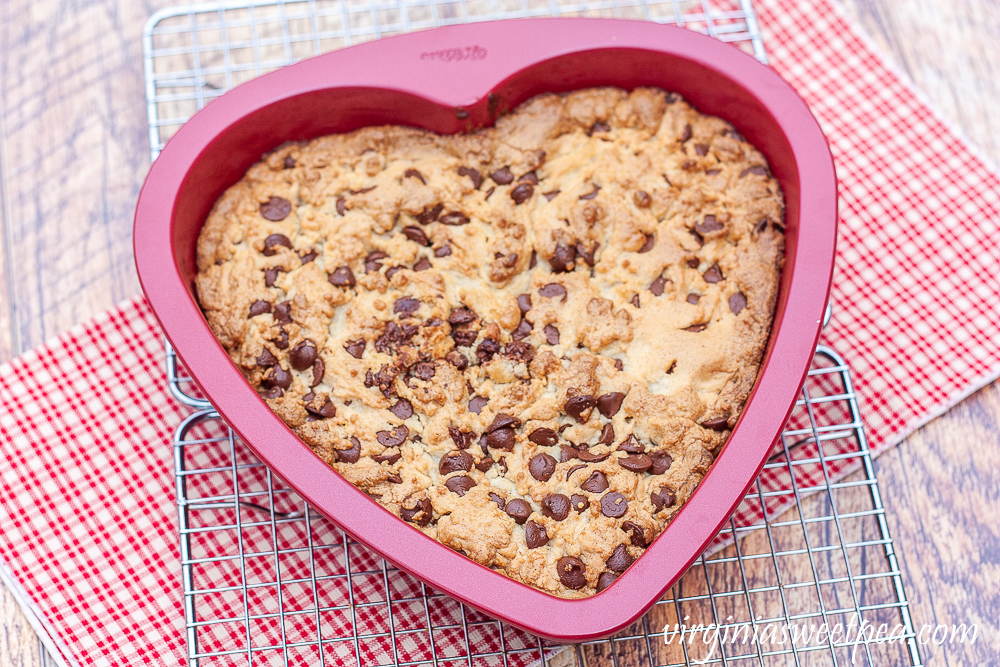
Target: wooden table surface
<point x="74" y="151"/>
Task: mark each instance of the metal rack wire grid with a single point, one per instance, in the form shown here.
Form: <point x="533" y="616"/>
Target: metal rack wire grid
<point x="268" y="581"/>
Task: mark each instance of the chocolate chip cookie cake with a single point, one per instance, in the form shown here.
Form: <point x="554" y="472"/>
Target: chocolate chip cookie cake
<point x="529" y="342"/>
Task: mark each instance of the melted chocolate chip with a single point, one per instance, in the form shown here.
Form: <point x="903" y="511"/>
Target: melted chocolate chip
<point x="273" y="241"/>
<point x="609" y="404"/>
<point x="697" y="328"/>
<point x="413" y="173"/>
<point x="541" y="467"/>
<point x="502" y="176"/>
<point x="647" y="245"/>
<point x="429" y="214"/>
<point x="477" y="178"/>
<point x="327" y="411"/>
<point x="605" y="580"/>
<point x="569" y="473"/>
<point x="477" y="403"/>
<point x="756" y="170"/>
<point x="356" y="348"/>
<point x="303" y="355"/>
<point x="717" y="423"/>
<point x="636" y="534"/>
<point x="393" y="438"/>
<point x="406" y="306"/>
<point x="552" y="290"/>
<point x="485" y="464"/>
<point x="607" y="435"/>
<point x="259" y="308"/>
<point x="737" y="303"/>
<point x="708" y="225"/>
<point x="319" y="370"/>
<point x="530" y="177"/>
<point x="282" y="342"/>
<point x="454" y="219"/>
<point x="343" y="277"/>
<point x="462" y="315"/>
<point x="631" y="445"/>
<point x="273" y="392"/>
<point x="464" y="338"/>
<point x="519" y="510"/>
<point x="596" y="483"/>
<point x="266" y="359"/>
<point x="590" y="457"/>
<point x="550" y="195"/>
<point x="579" y="503"/>
<point x="579" y="407"/>
<point x="278" y="377"/>
<point x="519" y="352"/>
<point x="522" y="193"/>
<point x="556" y="506"/>
<point x="462" y="439"/>
<point x="421" y="513"/>
<point x="459" y="361"/>
<point x="701" y="149"/>
<point x="502" y="438"/>
<point x="387" y="457"/>
<point x="563" y="260"/>
<point x="693" y="299"/>
<point x="443" y="251"/>
<point x="270" y="275"/>
<point x="661" y="462"/>
<point x="642" y="199"/>
<point x="417" y="235"/>
<point x="501" y="503"/>
<point x="424" y="371"/>
<point x="402" y="409"/>
<point x="662" y="498"/>
<point x="522" y="331"/>
<point x="620" y="559"/>
<point x="309" y="256"/>
<point x="535" y="535"/>
<point x="567" y="453"/>
<point x="503" y="420"/>
<point x="637" y="463"/>
<point x="658" y="285"/>
<point x="283" y="312"/>
<point x="460" y="485"/>
<point x="341" y="206"/>
<point x="686" y="134"/>
<point x="544" y="437"/>
<point x="635" y="302"/>
<point x="614" y="505"/>
<point x="352" y="454"/>
<point x="422" y="265"/>
<point x="487" y="350"/>
<point x="713" y="275"/>
<point x="572" y="572"/>
<point x="593" y="193"/>
<point x="276" y="209"/>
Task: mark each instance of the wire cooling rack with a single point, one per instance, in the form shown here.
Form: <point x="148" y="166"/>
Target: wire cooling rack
<point x="268" y="581"/>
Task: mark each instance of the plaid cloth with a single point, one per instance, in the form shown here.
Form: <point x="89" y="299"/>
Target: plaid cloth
<point x="88" y="518"/>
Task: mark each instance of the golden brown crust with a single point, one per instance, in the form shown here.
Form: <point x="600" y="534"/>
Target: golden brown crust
<point x="368" y="286"/>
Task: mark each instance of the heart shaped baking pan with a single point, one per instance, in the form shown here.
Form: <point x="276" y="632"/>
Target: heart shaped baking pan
<point x="458" y="79"/>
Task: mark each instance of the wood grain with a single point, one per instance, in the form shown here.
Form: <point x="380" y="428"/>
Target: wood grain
<point x="74" y="150"/>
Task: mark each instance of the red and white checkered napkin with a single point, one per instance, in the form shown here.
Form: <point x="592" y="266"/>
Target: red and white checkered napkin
<point x="88" y="519"/>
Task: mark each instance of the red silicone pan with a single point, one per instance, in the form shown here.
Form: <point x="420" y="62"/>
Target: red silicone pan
<point x="457" y="79"/>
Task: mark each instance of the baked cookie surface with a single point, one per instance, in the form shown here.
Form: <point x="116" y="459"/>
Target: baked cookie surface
<point x="530" y="342"/>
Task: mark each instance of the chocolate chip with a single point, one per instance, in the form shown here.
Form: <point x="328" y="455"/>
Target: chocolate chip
<point x="503" y="420"/>
<point x="519" y="510"/>
<point x="697" y="328"/>
<point x="592" y="193"/>
<point x="701" y="149"/>
<point x="464" y="338"/>
<point x="303" y="355"/>
<point x="484" y="464"/>
<point x="524" y="303"/>
<point x="713" y="275"/>
<point x="579" y="503"/>
<point x="590" y="457"/>
<point x="393" y="438"/>
<point x="563" y="259"/>
<point x="429" y="214"/>
<point x="279" y="377"/>
<point x="442" y="251"/>
<point x="341" y="205"/>
<point x="283" y="312"/>
<point x="289" y="162"/>
<point x="658" y="285"/>
<point x="642" y="199"/>
<point x="501" y="439"/>
<point x="636" y="534"/>
<point x="533" y="262"/>
<point x="609" y="404"/>
<point x="541" y="467"/>
<point x="406" y="306"/>
<point x="487" y="350"/>
<point x="394" y="478"/>
<point x="631" y="445"/>
<point x="273" y="241"/>
<point x="535" y="535"/>
<point x="273" y="392"/>
<point x="662" y="498"/>
<point x="569" y="473"/>
<point x="556" y="506"/>
<point x="522" y="331"/>
<point x="276" y="209"/>
<point x="522" y="193"/>
<point x="647" y="245"/>
<point x="460" y="485"/>
<point x="693" y="299"/>
<point x="708" y="225"/>
<point x="462" y="439"/>
<point x="402" y="409"/>
<point x="319" y="370"/>
<point x="356" y="348"/>
<point x="422" y="265"/>
<point x="459" y="361"/>
<point x="502" y="176"/>
<point x="756" y="170"/>
<point x="567" y="453"/>
<point x="717" y="423"/>
<point x="572" y="572"/>
<point x="579" y="407"/>
<point x="454" y="219"/>
<point x="605" y="580"/>
<point x="266" y="359"/>
<point x="424" y="371"/>
<point x="552" y="290"/>
<point x="686" y="134"/>
<point x="620" y="559"/>
<point x="596" y="483"/>
<point x="614" y="505"/>
<point x="530" y="177"/>
<point x="343" y="277"/>
<point x="737" y="303"/>
<point x="519" y="352"/>
<point x="510" y="260"/>
<point x="661" y="462"/>
<point x="544" y="437"/>
<point x="607" y="435"/>
<point x="501" y="503"/>
<point x="416" y="235"/>
<point x="598" y="126"/>
<point x="694" y="263"/>
<point x="352" y="454"/>
<point x="462" y="315"/>
<point x="550" y="195"/>
<point x="477" y="403"/>
<point x="270" y="275"/>
<point x="619" y="364"/>
<point x="477" y="178"/>
<point x="327" y="411"/>
<point x="635" y="302"/>
<point x="309" y="256"/>
<point x="259" y="308"/>
<point x="587" y="255"/>
<point x="413" y="173"/>
<point x="282" y="342"/>
<point x="637" y="463"/>
<point x="421" y="514"/>
<point x="387" y="457"/>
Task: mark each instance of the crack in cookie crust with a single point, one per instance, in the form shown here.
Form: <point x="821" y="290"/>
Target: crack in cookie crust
<point x="531" y="341"/>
